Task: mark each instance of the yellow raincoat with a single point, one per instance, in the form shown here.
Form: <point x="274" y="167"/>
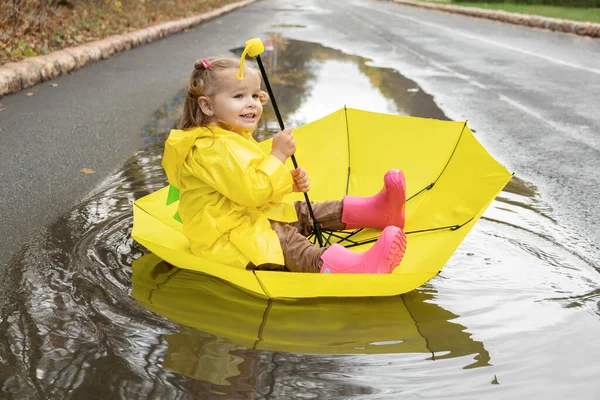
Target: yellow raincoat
<point x="229" y="190"/>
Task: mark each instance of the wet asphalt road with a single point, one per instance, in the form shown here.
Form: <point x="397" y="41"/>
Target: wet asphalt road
<point x="531" y="95"/>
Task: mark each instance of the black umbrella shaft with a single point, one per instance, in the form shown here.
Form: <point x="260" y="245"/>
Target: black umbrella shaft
<point x="317" y="226"/>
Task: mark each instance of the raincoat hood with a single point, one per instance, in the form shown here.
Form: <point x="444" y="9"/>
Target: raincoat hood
<point x="177" y="148"/>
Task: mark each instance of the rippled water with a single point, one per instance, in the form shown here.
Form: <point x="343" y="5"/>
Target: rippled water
<point x="514" y="314"/>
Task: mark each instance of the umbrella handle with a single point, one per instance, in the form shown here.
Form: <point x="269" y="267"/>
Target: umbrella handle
<point x="316" y="225"/>
<point x="254" y="47"/>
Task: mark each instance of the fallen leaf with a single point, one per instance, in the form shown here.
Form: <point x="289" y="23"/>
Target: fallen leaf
<point x="53" y="84"/>
<point x="86" y="171"/>
<point x="29" y="93"/>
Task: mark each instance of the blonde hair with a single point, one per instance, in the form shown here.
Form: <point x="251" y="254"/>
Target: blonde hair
<point x="204" y="82"/>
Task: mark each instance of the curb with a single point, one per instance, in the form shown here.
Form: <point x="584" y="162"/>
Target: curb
<point x="24" y="74"/>
<point x="534" y="21"/>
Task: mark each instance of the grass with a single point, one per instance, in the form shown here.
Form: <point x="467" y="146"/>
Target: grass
<point x="571" y="13"/>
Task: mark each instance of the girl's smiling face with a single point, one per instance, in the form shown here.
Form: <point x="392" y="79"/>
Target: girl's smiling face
<point x="236" y="102"/>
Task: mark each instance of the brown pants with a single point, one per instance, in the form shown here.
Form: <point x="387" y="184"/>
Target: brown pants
<point x="299" y="254"/>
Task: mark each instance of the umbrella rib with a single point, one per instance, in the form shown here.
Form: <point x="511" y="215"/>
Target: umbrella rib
<point x="261" y="328"/>
<point x="362" y="242"/>
<point x="348" y="147"/>
<point x="313" y="239"/>
<point x="328" y="238"/>
<point x="421" y="191"/>
<point x="418" y="328"/>
<point x="332" y="233"/>
<point x="371" y="240"/>
<point x="352" y="234"/>
<point x="260" y="283"/>
<point x="342" y="237"/>
<point x="452" y="154"/>
<point x="345" y="238"/>
<point x="449" y="227"/>
<point x="431" y="185"/>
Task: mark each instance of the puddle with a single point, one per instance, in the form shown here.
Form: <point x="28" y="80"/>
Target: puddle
<point x="313" y="81"/>
<point x="406" y="324"/>
<point x="517" y="291"/>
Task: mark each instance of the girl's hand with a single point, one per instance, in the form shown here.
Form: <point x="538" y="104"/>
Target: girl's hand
<point x="301" y="180"/>
<point x="283" y="145"/>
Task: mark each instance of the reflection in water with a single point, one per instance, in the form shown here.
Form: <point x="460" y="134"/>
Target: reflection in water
<point x="330" y="94"/>
<point x="404" y="324"/>
<point x="310" y="81"/>
<point x="74" y="330"/>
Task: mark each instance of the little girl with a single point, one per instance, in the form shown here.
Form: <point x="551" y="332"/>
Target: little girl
<point x="231" y="192"/>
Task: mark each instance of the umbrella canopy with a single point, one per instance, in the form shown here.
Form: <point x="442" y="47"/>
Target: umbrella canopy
<point x="406" y="324"/>
<point x="451" y="179"/>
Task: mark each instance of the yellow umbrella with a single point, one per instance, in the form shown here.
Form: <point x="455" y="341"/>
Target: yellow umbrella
<point x="451" y="180"/>
<point x="403" y="324"/>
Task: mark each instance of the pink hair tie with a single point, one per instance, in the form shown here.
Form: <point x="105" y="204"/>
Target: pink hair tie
<point x="206" y="63"/>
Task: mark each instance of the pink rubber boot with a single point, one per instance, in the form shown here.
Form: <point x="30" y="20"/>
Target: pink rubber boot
<point x="382" y="258"/>
<point x="386" y="208"/>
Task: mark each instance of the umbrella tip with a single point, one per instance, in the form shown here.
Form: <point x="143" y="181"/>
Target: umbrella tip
<point x="254" y="47"/>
